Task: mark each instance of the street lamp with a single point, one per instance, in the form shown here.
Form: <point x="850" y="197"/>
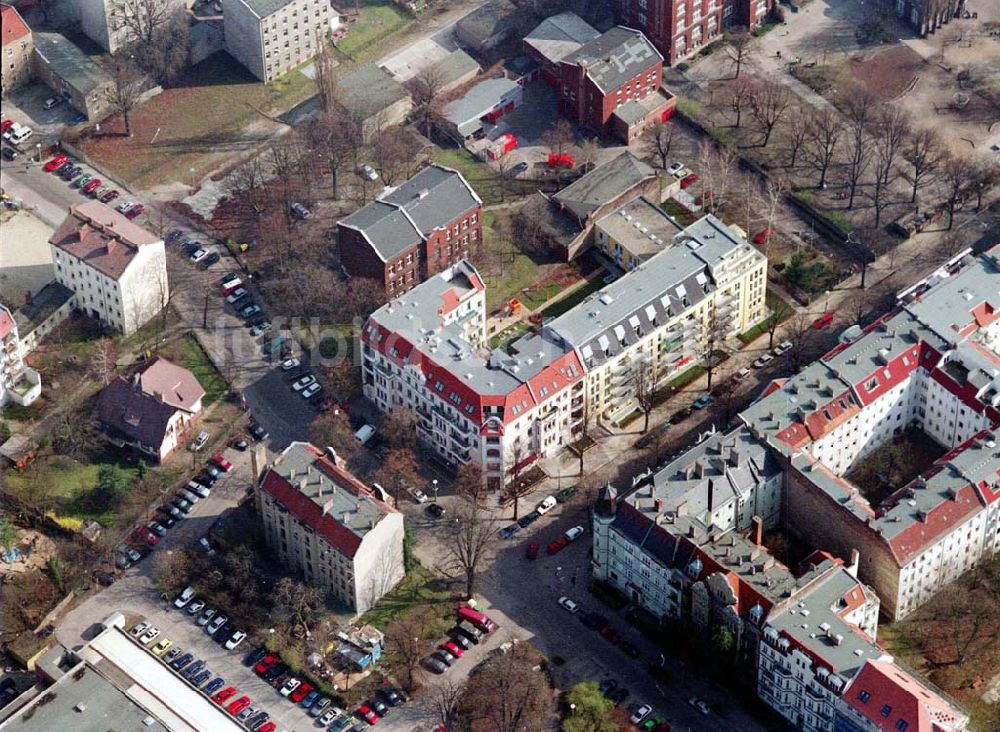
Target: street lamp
<point x="434" y="487"/>
<point x="38" y="150"/>
<point x="191" y="170"/>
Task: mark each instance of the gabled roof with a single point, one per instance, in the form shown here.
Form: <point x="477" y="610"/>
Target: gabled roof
<point x="101" y="237"/>
<point x="173" y="384"/>
<point x="560" y="35"/>
<point x="12" y="25"/>
<point x="615" y="57"/>
<point x="893" y="700"/>
<point x="603" y="185"/>
<point x="367" y="90"/>
<point x="316" y="488"/>
<point x="403" y="216"/>
<point x="7" y="324"/>
<point x="141" y="417"/>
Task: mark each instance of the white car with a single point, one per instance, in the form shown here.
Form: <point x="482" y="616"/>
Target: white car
<point x="139" y="629"/>
<point x="204" y="544"/>
<point x="198" y="489"/>
<point x="52" y="102"/>
<point x="546" y="505"/>
<point x="304" y="382"/>
<point x="289" y="364"/>
<point x="199" y="441"/>
<point x="331" y="715"/>
<point x="291" y="685"/>
<point x="699" y="705"/>
<point x="742" y="373"/>
<point x="199" y="254"/>
<point x="125" y="206"/>
<point x="569" y="605"/>
<point x="674" y="167"/>
<point x="195" y="607"/>
<point x="368" y="171"/>
<point x="782" y="347"/>
<point x="236" y="295"/>
<point x="236" y="639"/>
<point x="574" y="533"/>
<point x="419" y="496"/>
<point x="205" y="616"/>
<point x="641" y="712"/>
<point x="763" y="361"/>
<point x="311" y="390"/>
<point x="184" y="598"/>
<point x="217" y="622"/>
<point x="152" y="632"/>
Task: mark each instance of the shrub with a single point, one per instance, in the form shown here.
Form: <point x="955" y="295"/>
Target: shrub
<point x="682" y="66"/>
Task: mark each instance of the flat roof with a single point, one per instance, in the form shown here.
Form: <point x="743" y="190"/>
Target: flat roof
<point x="481" y="99"/>
<point x="640" y="226"/>
<point x="69" y="63"/>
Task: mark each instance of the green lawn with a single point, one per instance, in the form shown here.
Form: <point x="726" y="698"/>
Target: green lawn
<point x="774" y="301"/>
<point x="417" y="588"/>
<point x="482" y="177"/>
<point x="675" y="209"/>
<point x="518" y="272"/>
<point x="69" y="482"/>
<point x="375" y="21"/>
<point x="508" y="335"/>
<point x="190" y="355"/>
<point x="574" y="298"/>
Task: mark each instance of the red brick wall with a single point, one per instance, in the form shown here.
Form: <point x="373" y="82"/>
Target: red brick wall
<point x="465" y="240"/>
<point x="661" y="21"/>
<point x="591" y="107"/>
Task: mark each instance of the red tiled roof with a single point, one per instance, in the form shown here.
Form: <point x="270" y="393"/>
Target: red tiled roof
<point x="940" y="519"/>
<point x="13" y="26"/>
<point x="101" y="237"/>
<point x="984" y="314"/>
<point x="888" y="376"/>
<point x="7" y="324"/>
<point x="886" y="695"/>
<point x="174" y="384"/>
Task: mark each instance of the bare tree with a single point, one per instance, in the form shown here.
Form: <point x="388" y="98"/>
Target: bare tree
<point x="739" y="92"/>
<point x="715" y="337"/>
<point x="391" y="152"/>
<point x="248" y="180"/>
<point x="325" y="64"/>
<point x="587" y="154"/>
<point x="428" y="86"/>
<point x="773" y="195"/>
<point x="143" y="19"/>
<point x="824" y="131"/>
<point x="985" y="175"/>
<point x="659" y="143"/>
<point x="334" y="137"/>
<point x="890" y="130"/>
<point x="471" y="544"/>
<point x="408" y="638"/>
<point x="768" y="103"/>
<point x="716" y="164"/>
<point x="123" y="93"/>
<point x="508" y="695"/>
<point x="559" y="137"/>
<point x="779" y="312"/>
<point x="801" y="334"/>
<point x="957" y="176"/>
<point x="925" y="153"/>
<point x="644" y="389"/>
<point x="860" y="106"/>
<point x="446" y="700"/>
<point x="297" y="602"/>
<point x="797" y="135"/>
<point x="739" y="49"/>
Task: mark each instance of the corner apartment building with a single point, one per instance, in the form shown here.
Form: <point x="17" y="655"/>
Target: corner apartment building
<point x="409" y="233"/>
<point x="932" y="365"/>
<point x="321" y="521"/>
<point x="15" y="50"/>
<point x="612" y="85"/>
<point x="654" y="323"/>
<point x="271" y="37"/>
<point x="424" y="352"/>
<point x="926" y="16"/>
<point x="116" y="269"/>
<point x="679" y="28"/>
<point x="18" y="383"/>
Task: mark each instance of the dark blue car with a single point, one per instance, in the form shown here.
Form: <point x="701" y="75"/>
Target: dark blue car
<point x="193" y="669"/>
<point x="214" y="685"/>
<point x="201" y="678"/>
<point x="183" y="661"/>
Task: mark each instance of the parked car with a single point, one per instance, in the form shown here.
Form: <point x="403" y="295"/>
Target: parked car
<point x="9" y="153"/>
<point x="260" y="329"/>
<point x="239" y="705"/>
<point x="508" y="531"/>
<point x="135" y="211"/>
<point x="216" y="623"/>
<point x="162" y="647"/>
<point x="92" y="185"/>
<point x="312" y="390"/>
<point x="235" y="639"/>
<point x="368" y="714"/>
<point x="201" y="677"/>
<point x="202" y="491"/>
<point x="300" y="693"/>
<point x="639" y="713"/>
<point x="258" y="432"/>
<point x="557" y="545"/>
<point x="193" y="669"/>
<point x="184" y="598"/>
<point x="782" y="347"/>
<point x="700" y="705"/>
<point x="823" y="320"/>
<point x="182" y="661"/>
<point x="156" y="528"/>
<point x="206" y="546"/>
<point x="224" y="695"/>
<point x="452" y="648"/>
<point x="109" y="196"/>
<point x="52" y="102"/>
<point x="368" y="171"/>
<point x="56" y="162"/>
<point x="172" y="654"/>
<point x="264" y="664"/>
<point x="532" y="551"/>
<point x="250" y="711"/>
<point x="214" y="685"/>
<point x="195" y="607"/>
<point x="211" y="259"/>
<point x="305" y="381"/>
<point x="289" y="364"/>
<point x="276" y="672"/>
<point x="763" y="361"/>
<point x="701" y="402"/>
<point x="742" y="374"/>
<point x="674" y="167"/>
<point x="224" y="465"/>
<point x="291" y="685"/>
<point x="238" y="294"/>
<point x="419" y="496"/>
<point x="138" y="629"/>
<point x="206" y="616"/>
<point x="574" y="533"/>
<point x="569" y="605"/>
<point x="300" y="211"/>
<point x="319" y="707"/>
<point x="83" y="180"/>
<point x="393" y="697"/>
<point x="565" y="494"/>
<point x="250" y="310"/>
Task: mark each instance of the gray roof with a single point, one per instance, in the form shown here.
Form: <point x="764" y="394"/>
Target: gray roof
<point x="482" y="98"/>
<point x="659" y="290"/>
<point x="492" y="18"/>
<point x="45" y="302"/>
<point x="634" y="111"/>
<point x="603" y="184"/>
<point x="69" y="63"/>
<point x="368" y="90"/>
<point x="640" y="226"/>
<point x="455" y="66"/>
<point x="400" y="218"/>
<point x="615" y="57"/>
<point x="264" y="8"/>
<point x="560" y="35"/>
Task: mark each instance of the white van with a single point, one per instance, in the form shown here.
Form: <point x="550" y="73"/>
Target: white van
<point x="199" y="441"/>
<point x="364" y="434"/>
<point x="20" y="133"/>
<point x="545" y="506"/>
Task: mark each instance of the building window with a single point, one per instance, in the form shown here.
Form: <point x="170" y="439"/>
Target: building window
<point x="864" y="695"/>
<point x="886" y="710"/>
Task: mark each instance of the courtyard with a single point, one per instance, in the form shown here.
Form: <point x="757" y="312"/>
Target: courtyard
<point x="883" y="472"/>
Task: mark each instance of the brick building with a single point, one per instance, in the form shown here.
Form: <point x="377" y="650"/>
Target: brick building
<point x="611" y="84"/>
<point x="926" y="16"/>
<point x="16" y="50"/>
<point x="412" y="232"/>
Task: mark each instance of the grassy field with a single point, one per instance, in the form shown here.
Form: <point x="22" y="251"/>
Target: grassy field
<point x="482" y="177"/>
<point x="219" y="110"/>
<point x="774" y="303"/>
<point x="518" y="272"/>
<point x="417" y="588"/>
<point x="375" y="21"/>
<point x="574" y="298"/>
<point x="189" y="354"/>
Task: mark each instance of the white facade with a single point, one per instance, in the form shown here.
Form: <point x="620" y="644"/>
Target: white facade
<point x="18" y="383"/>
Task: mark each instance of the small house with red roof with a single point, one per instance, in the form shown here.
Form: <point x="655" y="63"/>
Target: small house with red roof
<point x="322" y="522"/>
<point x="16" y="41"/>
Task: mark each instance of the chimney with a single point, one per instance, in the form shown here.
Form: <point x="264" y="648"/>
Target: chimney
<point x="852" y="568"/>
<point x="112" y="246"/>
<point x="734" y="457"/>
<point x="658" y="505"/>
<point x="309" y="469"/>
<point x="347" y="517"/>
<point x="27" y="298"/>
<point x="758" y="531"/>
<point x="84" y="231"/>
<point x="711" y="490"/>
<point x="303" y="483"/>
<point x="691" y="531"/>
<point x="291" y="474"/>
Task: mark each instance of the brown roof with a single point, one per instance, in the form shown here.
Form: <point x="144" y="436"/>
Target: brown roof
<point x="7" y="324"/>
<point x="101" y="237"/>
<point x="12" y="25"/>
<point x="123" y="407"/>
<point x="171" y="383"/>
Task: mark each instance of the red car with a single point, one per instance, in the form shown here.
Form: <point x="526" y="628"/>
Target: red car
<point x="557" y="546"/>
<point x="301" y="693"/>
<point x="610" y="634"/>
<point x="366" y="713"/>
<point x="452" y="648"/>
<point x="109" y="196"/>
<point x="532" y="550"/>
<point x="223" y="464"/>
<point x="239" y="705"/>
<point x="134" y="211"/>
<point x="6" y="125"/>
<point x="223" y="695"/>
<point x="763" y="237"/>
<point x="265" y="663"/>
<point x="56" y="162"/>
<point x="689" y="180"/>
<point x="268" y="727"/>
<point x="147" y="536"/>
<point x="92" y="186"/>
<point x="823" y="320"/>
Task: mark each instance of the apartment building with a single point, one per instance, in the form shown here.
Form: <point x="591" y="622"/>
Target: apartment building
<point x="612" y="85"/>
<point x="18" y="383"/>
<point x="655" y="322"/>
<point x="926" y="16"/>
<point x="680" y="28"/>
<point x="272" y="37"/>
<point x="634" y="232"/>
<point x="116" y="269"/>
<point x="15" y="50"/>
<point x="424" y="352"/>
<point x="321" y="521"/>
<point x="409" y="233"/>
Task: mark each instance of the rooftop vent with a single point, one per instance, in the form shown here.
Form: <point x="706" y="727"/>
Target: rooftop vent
<point x="423" y="193"/>
<point x="606" y="299"/>
<point x="81" y="707"/>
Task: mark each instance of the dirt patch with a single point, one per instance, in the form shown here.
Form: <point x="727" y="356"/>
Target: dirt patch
<point x="887" y="73"/>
